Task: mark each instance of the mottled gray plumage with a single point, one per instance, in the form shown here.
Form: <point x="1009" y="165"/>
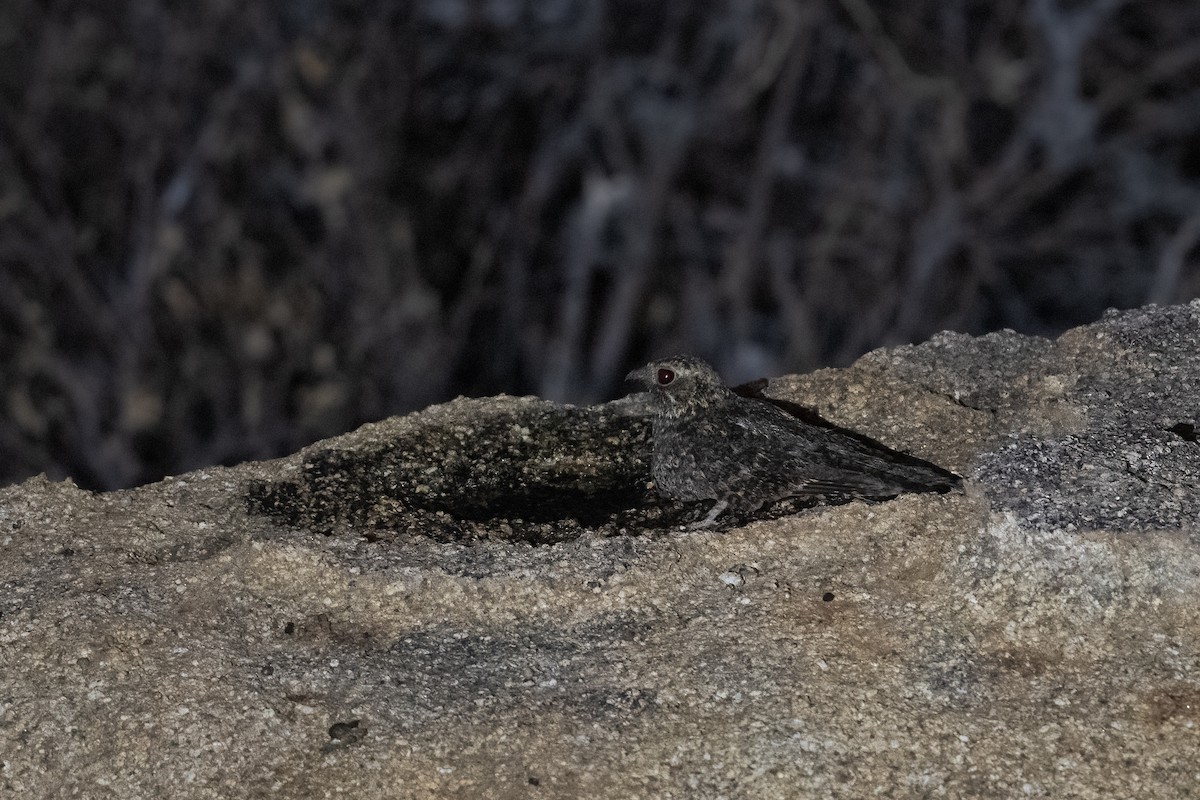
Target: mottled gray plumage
<point x="712" y="444"/>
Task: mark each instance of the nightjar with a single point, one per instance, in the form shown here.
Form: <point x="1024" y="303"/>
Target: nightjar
<point x="741" y="452"/>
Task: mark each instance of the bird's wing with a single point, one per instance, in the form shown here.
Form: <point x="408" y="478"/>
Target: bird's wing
<point x="804" y="459"/>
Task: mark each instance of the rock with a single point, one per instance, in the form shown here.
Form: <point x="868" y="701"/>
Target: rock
<point x="497" y="467"/>
<point x="534" y="623"/>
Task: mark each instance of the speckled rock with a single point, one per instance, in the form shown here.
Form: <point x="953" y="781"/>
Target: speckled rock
<point x="533" y="623"/>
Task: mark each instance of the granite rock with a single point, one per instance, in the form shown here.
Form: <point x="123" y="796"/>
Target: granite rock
<point x="485" y="600"/>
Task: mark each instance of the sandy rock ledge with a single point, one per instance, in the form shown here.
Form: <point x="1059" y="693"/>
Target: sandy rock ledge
<point x="483" y="600"/>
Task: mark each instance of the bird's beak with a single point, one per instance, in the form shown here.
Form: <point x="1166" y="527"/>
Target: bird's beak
<point x="638" y="376"/>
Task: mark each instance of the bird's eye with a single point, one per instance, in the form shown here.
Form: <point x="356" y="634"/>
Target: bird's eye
<point x="665" y="376"/>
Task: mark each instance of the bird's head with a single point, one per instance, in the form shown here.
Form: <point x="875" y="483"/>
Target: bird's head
<point x="680" y="383"/>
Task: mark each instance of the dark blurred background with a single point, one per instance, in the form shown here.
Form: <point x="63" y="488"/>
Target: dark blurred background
<point x="231" y="227"/>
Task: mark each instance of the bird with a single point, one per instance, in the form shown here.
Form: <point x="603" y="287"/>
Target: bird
<point x="710" y="443"/>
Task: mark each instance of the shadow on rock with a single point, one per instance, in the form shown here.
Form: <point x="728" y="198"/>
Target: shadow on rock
<point x="500" y="467"/>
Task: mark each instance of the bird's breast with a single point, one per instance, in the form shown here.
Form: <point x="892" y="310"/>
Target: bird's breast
<point x="684" y="454"/>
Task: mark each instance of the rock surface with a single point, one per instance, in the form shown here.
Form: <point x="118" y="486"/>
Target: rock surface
<point x="482" y="600"/>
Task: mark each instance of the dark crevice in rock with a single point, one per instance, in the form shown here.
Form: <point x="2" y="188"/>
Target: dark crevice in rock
<point x="957" y="400"/>
<point x="1185" y="431"/>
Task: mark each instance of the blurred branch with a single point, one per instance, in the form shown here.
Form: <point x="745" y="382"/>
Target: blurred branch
<point x="1165" y="288"/>
<point x="737" y="283"/>
<point x="1062" y="120"/>
<point x="915" y="84"/>
<point x="936" y="235"/>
